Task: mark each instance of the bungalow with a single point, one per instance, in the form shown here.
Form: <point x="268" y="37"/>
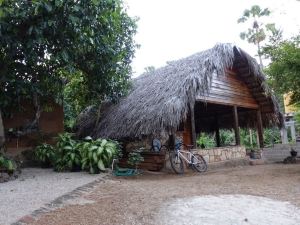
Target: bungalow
<point x="220" y="88"/>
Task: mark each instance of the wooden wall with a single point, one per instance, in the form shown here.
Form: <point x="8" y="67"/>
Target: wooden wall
<point x="230" y="90"/>
<point x="50" y="124"/>
<point x="187" y="132"/>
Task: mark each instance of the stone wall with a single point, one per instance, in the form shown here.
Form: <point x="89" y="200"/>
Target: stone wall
<point x="279" y="152"/>
<point x="222" y="153"/>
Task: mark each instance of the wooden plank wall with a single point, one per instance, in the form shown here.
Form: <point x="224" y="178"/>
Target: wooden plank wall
<point x="187" y="132"/>
<point x="230" y="90"/>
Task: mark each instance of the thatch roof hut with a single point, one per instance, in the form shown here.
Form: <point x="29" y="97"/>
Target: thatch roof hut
<point x="200" y="88"/>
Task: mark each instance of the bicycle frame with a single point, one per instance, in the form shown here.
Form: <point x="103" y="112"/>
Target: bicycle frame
<point x="182" y="156"/>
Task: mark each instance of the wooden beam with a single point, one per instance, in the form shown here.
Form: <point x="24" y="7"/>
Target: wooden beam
<point x="260" y="129"/>
<point x="236" y="126"/>
<point x="218" y="140"/>
<point x="194" y="141"/>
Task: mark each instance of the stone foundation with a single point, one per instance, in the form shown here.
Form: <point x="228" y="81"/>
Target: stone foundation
<point x="222" y="153"/>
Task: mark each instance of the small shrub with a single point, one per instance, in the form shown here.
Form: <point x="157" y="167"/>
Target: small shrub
<point x="98" y="154"/>
<point x="45" y="154"/>
<point x="67" y="154"/>
<point x="135" y="158"/>
<point x="7" y="165"/>
<point x="74" y="155"/>
<point x="205" y="141"/>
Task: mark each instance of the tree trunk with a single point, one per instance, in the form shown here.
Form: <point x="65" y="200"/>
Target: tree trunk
<point x="259" y="56"/>
<point x="2" y="135"/>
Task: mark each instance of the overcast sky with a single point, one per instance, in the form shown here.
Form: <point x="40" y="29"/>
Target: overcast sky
<point x="173" y="29"/>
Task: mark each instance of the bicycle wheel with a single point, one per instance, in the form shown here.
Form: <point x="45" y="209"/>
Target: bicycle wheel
<point x="199" y="163"/>
<point x="176" y="162"/>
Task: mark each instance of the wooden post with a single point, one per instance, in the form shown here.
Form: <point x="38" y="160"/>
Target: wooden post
<point x="171" y="142"/>
<point x="236" y="126"/>
<point x="218" y="140"/>
<point x="194" y="141"/>
<point x="260" y="129"/>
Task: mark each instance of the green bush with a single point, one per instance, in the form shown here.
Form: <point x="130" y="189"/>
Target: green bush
<point x="45" y="154"/>
<point x="135" y="158"/>
<point x="7" y="165"/>
<point x="88" y="154"/>
<point x="98" y="154"/>
<point x="206" y="141"/>
<point x="67" y="154"/>
<point x="227" y="137"/>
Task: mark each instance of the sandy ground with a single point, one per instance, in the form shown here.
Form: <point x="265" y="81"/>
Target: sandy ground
<point x="35" y="188"/>
<point x="154" y="199"/>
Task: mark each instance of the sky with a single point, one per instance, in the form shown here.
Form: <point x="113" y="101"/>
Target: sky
<point x="174" y="29"/>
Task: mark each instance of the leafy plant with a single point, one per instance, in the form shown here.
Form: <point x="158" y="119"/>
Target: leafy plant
<point x="45" y="154"/>
<point x="206" y="141"/>
<point x="67" y="153"/>
<point x="135" y="158"/>
<point x="97" y="154"/>
<point x="227" y="137"/>
<point x="7" y="164"/>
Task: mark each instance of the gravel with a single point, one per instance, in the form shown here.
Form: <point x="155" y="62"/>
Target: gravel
<point x="35" y="188"/>
<point x="231" y="209"/>
<point x="140" y="200"/>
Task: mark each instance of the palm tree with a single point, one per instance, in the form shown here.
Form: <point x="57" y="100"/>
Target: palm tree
<point x="257" y="33"/>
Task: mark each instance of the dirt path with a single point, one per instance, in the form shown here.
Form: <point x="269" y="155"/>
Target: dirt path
<point x="139" y="200"/>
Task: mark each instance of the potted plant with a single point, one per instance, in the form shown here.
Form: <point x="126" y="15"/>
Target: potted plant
<point x="135" y="158"/>
<point x="293" y="152"/>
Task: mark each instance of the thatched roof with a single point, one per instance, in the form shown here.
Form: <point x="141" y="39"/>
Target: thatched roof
<point x="160" y="100"/>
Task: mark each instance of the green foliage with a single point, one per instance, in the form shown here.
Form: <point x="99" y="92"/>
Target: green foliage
<point x="74" y="96"/>
<point x="206" y="141"/>
<point x="7" y="164"/>
<point x="135" y="158"/>
<point x="246" y="137"/>
<point x="67" y="154"/>
<point x="42" y="41"/>
<point x="97" y="154"/>
<point x="284" y="69"/>
<point x="227" y="137"/>
<point x="45" y="154"/>
<point x="271" y="137"/>
<point x="73" y="155"/>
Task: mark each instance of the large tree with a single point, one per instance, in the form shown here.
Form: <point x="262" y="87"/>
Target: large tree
<point x="43" y="40"/>
<point x="284" y="69"/>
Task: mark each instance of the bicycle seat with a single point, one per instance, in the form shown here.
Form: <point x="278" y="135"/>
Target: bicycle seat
<point x="189" y="146"/>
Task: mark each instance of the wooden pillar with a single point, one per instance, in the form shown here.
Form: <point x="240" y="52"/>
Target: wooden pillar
<point x="218" y="140"/>
<point x="236" y="126"/>
<point x="194" y="141"/>
<point x="260" y="129"/>
<point x="171" y="142"/>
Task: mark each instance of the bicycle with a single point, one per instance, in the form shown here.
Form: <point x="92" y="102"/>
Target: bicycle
<point x="177" y="156"/>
